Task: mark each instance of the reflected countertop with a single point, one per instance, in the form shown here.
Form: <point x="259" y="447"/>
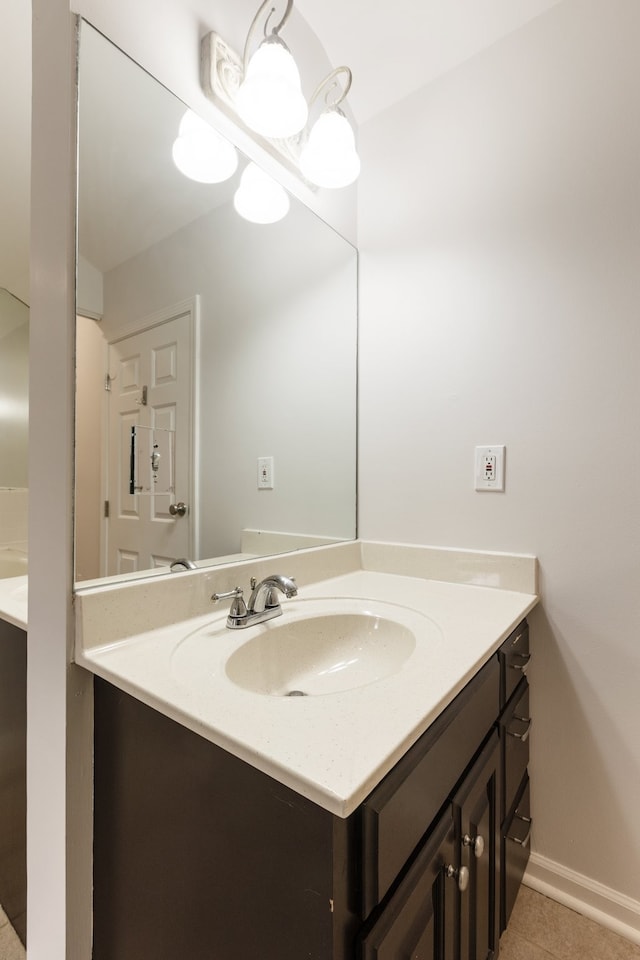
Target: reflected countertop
<point x="13" y="601"/>
<point x="334" y="748"/>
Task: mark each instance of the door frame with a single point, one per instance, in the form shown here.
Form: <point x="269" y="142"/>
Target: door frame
<point x="189" y="307"/>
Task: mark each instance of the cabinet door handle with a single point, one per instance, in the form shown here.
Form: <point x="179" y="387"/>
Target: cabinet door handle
<point x="523" y="737"/>
<point x="461" y="874"/>
<point x="525" y="657"/>
<point x="525" y="840"/>
<point x="476" y="842"/>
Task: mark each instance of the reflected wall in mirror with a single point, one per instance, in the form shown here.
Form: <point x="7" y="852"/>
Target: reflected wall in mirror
<point x="239" y="337"/>
<point x="14" y="390"/>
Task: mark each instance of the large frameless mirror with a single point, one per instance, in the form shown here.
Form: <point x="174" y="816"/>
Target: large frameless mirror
<point x="14" y="390"/>
<point x="223" y="346"/>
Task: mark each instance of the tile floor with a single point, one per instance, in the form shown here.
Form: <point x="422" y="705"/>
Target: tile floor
<point x="10" y="946"/>
<point x="541" y="929"/>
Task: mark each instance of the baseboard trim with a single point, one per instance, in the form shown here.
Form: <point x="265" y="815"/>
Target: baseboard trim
<point x="607" y="907"/>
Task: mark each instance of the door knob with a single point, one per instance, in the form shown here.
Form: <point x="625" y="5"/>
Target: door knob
<point x="178" y="509"/>
<point x="476" y="842"/>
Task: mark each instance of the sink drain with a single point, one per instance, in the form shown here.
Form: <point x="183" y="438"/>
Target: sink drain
<point x="296" y="693"/>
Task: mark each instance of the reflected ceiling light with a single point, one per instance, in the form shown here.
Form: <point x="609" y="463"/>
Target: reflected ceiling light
<point x="270" y="99"/>
<point x="259" y="198"/>
<point x="328" y="157"/>
<point x="201" y="153"/>
<point x="263" y="89"/>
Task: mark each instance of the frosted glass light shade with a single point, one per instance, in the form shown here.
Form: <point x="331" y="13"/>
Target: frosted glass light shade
<point x="270" y="100"/>
<point x="201" y="153"/>
<point x="329" y="157"/>
<point x="259" y="198"/>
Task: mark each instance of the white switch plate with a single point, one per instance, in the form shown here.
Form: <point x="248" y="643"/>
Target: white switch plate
<point x="489" y="468"/>
<point x="265" y="473"/>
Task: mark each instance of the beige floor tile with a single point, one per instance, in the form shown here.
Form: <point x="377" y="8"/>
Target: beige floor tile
<point x="513" y="947"/>
<point x="566" y="935"/>
<point x="10" y="946"/>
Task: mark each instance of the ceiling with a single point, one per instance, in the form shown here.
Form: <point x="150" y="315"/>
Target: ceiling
<point x="391" y="49"/>
<point x="396" y="48"/>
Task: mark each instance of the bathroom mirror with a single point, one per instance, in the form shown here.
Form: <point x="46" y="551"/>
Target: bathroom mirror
<point x="241" y="338"/>
<point x="14" y="390"/>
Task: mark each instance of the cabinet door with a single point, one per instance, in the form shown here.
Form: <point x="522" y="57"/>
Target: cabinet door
<point x="476" y="807"/>
<point x="419" y="921"/>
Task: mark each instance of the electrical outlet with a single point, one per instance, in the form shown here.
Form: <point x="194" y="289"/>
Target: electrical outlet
<point x="489" y="468"/>
<point x="265" y="473"/>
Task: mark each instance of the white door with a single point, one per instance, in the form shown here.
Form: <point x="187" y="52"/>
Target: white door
<point x="151" y="383"/>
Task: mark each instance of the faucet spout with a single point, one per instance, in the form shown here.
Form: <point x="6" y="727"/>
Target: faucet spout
<point x="265" y="594"/>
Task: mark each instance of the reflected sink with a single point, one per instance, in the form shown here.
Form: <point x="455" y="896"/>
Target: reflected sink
<point x="316" y="647"/>
<point x="13" y="563"/>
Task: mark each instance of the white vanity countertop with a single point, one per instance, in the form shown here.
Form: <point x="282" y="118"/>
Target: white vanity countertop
<point x="13" y="601"/>
<point x="334" y="748"/>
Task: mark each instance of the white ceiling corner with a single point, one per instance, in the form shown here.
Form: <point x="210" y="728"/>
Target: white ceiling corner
<point x="394" y="49"/>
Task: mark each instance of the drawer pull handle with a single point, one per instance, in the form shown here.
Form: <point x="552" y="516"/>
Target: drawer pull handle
<point x="523" y="737"/>
<point x="476" y="842"/>
<point x="461" y="874"/>
<point x="525" y="657"/>
<point x="517" y="639"/>
<point x="524" y="842"/>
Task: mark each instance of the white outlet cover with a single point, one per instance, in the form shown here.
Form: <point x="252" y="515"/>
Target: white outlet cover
<point x="265" y="473"/>
<point x="482" y="480"/>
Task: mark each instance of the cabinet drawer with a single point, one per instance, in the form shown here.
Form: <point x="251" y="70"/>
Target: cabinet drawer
<point x="418" y="921"/>
<point x="399" y="811"/>
<point x="515" y="851"/>
<point x="515" y="725"/>
<point x="514" y="655"/>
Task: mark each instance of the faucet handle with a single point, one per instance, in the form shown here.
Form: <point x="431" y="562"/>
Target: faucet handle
<point x="238" y="607"/>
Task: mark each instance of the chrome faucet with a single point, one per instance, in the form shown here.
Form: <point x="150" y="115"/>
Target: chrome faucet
<point x="178" y="566"/>
<point x="263" y="602"/>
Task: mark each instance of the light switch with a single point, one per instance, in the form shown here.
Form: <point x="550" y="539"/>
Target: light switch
<point x="265" y="473"/>
<point x="489" y="468"/>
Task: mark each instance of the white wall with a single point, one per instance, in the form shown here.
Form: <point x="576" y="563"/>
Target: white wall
<point x="500" y="286"/>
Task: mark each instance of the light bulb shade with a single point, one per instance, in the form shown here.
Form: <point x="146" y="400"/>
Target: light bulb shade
<point x="270" y="100"/>
<point x="329" y="157"/>
<point x="201" y="153"/>
<point x="259" y="198"/>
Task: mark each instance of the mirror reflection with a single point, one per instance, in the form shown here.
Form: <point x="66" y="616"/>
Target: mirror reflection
<point x="238" y="337"/>
<point x="14" y="390"/>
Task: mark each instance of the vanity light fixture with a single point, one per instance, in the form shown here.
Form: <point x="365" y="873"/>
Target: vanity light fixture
<point x="201" y="153"/>
<point x="263" y="90"/>
<point x="270" y="99"/>
<point x="328" y="157"/>
<point x="259" y="198"/>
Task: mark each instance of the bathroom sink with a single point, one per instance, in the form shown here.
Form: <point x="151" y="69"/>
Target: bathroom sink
<point x="316" y="647"/>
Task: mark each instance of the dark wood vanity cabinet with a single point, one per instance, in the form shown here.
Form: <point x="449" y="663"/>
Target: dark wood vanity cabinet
<point x="198" y="854"/>
<point x="13" y="775"/>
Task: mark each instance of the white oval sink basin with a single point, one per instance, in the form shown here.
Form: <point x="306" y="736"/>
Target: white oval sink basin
<point x="317" y="647"/>
<point x="326" y="653"/>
